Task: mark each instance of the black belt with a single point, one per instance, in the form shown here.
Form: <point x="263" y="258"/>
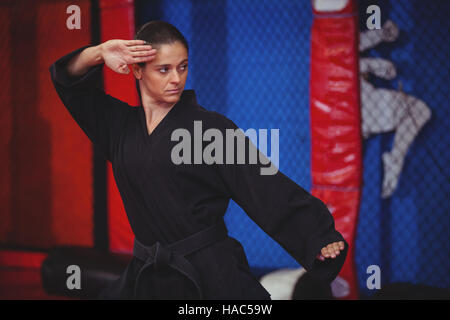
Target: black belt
<point x="173" y="255"/>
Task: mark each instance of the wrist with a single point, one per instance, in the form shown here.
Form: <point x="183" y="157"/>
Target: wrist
<point x="93" y="56"/>
<point x="98" y="54"/>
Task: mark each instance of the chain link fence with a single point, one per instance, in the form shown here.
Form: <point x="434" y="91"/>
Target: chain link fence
<point x="404" y="216"/>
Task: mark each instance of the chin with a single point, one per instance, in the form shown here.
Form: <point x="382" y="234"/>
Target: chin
<point x="174" y="98"/>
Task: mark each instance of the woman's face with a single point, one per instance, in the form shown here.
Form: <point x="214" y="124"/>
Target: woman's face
<point x="163" y="79"/>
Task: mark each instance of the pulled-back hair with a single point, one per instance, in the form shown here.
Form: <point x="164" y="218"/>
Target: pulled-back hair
<point x="160" y="32"/>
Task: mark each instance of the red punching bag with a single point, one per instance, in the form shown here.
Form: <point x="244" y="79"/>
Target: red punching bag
<point x="336" y="162"/>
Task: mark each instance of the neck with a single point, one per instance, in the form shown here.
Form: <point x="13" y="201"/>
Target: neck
<point x="154" y="112"/>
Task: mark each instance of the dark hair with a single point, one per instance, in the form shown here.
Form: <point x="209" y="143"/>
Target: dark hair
<point x="160" y="32"/>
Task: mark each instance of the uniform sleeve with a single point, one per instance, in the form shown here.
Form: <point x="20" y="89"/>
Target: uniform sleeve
<point x="99" y="115"/>
<point x="298" y="221"/>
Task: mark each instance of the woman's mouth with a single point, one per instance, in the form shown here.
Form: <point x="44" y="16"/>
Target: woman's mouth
<point x="173" y="91"/>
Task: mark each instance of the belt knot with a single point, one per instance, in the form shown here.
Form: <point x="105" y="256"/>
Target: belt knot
<point x="162" y="257"/>
<point x="159" y="256"/>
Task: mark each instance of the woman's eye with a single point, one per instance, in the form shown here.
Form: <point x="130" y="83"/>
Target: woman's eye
<point x="183" y="67"/>
<point x="164" y="69"/>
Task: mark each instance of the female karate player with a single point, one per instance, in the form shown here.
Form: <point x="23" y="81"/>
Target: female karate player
<point x="182" y="250"/>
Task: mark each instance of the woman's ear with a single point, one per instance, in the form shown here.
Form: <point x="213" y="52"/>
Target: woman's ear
<point x="137" y="71"/>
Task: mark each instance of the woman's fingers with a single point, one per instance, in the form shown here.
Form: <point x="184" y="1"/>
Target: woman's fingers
<point x="140" y="56"/>
<point x="134" y="42"/>
<point x="144" y="53"/>
<point x="325" y="252"/>
<point x="140" y="48"/>
<point x="141" y="59"/>
<point x="333" y="249"/>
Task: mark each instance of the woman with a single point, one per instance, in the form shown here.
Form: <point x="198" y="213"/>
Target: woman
<point x="182" y="250"/>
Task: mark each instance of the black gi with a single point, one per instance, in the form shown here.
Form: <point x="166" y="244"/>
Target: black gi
<point x="167" y="203"/>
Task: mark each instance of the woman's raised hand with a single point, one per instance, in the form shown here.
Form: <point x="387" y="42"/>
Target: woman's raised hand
<point x="118" y="54"/>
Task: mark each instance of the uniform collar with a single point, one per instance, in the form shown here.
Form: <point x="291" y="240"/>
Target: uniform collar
<point x="188" y="97"/>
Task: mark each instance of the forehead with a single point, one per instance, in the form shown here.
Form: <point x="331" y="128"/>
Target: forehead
<point x="172" y="53"/>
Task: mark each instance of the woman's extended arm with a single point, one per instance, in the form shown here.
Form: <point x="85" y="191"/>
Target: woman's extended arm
<point x="116" y="54"/>
<point x="298" y="221"/>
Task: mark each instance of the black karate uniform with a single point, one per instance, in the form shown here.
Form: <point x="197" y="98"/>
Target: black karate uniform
<point x="166" y="203"/>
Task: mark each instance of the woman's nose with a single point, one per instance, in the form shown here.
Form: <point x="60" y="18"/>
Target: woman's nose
<point x="175" y="77"/>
